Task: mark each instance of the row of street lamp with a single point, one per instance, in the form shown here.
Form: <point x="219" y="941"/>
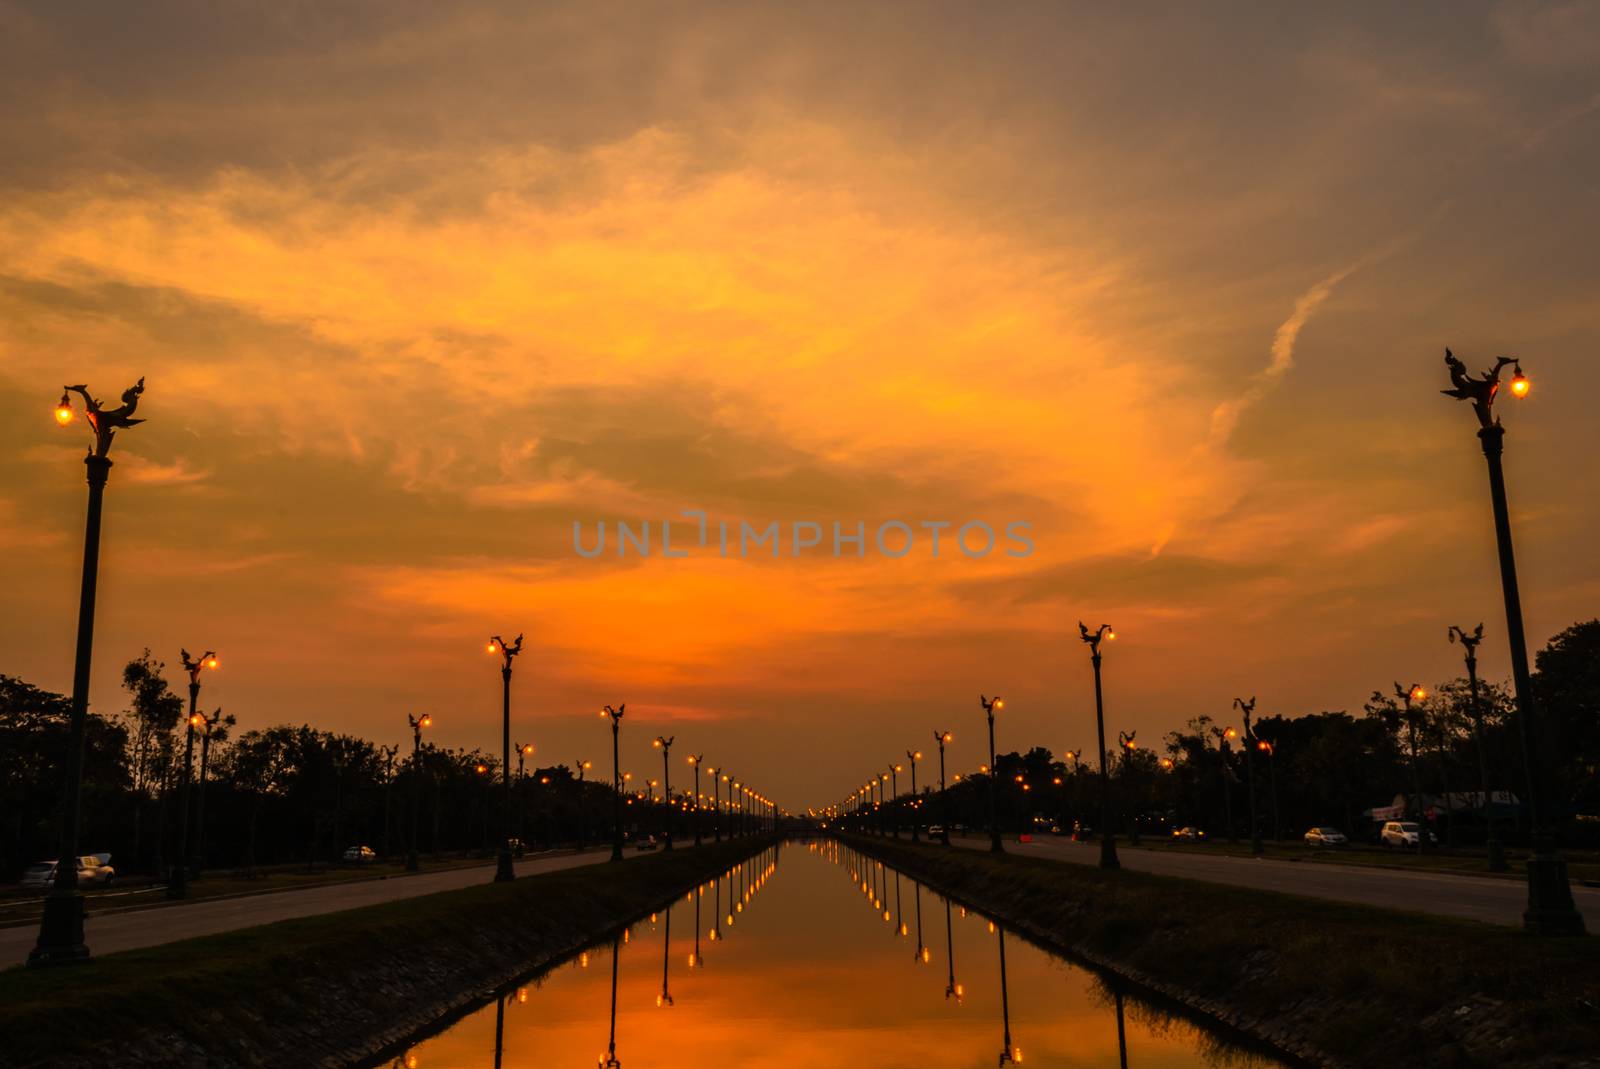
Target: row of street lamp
<point x="1550" y="909"/>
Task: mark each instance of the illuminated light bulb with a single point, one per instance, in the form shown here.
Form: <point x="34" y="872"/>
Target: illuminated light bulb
<point x="522" y="994"/>
<point x="1519" y="384"/>
<point x="64" y="411"/>
<point x="491" y="647"/>
<point x="211" y="662"/>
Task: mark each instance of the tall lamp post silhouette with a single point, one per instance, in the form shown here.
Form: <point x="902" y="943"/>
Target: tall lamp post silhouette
<point x="1469" y="644"/>
<point x="664" y="743"/>
<point x="177" y="878"/>
<point x="942" y="737"/>
<point x="1108" y="838"/>
<point x="912" y="757"/>
<point x="583" y="806"/>
<point x="894" y="799"/>
<point x="989" y="707"/>
<point x="524" y="751"/>
<point x="695" y="760"/>
<point x="1247" y="709"/>
<point x="61" y="927"/>
<point x="503" y="870"/>
<point x="716" y="802"/>
<point x="1550" y="907"/>
<point x="1409" y="696"/>
<point x="417" y="724"/>
<point x="1129" y="745"/>
<point x="616" y="778"/>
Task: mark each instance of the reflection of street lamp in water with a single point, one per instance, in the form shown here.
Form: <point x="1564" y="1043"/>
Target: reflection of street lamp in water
<point x="951" y="988"/>
<point x="1008" y="1052"/>
<point x="665" y="998"/>
<point x="609" y="1059"/>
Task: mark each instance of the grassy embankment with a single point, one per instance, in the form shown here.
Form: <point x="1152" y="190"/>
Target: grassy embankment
<point x="1337" y="984"/>
<point x="330" y="988"/>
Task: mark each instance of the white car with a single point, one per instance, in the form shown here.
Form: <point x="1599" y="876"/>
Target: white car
<point x="360" y="855"/>
<point x="1404" y="834"/>
<point x="92" y="870"/>
<point x="1325" y="837"/>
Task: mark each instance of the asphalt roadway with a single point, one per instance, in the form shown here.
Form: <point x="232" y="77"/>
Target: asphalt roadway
<point x="1479" y="898"/>
<point x="111" y="932"/>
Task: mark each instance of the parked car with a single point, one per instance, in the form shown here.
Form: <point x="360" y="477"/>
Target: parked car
<point x="647" y="842"/>
<point x="1325" y="837"/>
<point x="1081" y="832"/>
<point x="935" y="831"/>
<point x="1189" y="834"/>
<point x="360" y="855"/>
<point x="92" y="872"/>
<point x="1404" y="834"/>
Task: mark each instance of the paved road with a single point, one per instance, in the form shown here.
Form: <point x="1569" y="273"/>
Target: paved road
<point x="1479" y="898"/>
<point x="112" y="932"/>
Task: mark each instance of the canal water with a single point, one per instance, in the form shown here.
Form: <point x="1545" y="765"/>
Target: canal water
<point x="810" y="956"/>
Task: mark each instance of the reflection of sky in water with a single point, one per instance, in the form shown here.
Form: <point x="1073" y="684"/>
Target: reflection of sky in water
<point x="811" y="974"/>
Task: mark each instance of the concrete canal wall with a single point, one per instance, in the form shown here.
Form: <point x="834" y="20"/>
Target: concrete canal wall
<point x="1324" y="983"/>
<point x="335" y="989"/>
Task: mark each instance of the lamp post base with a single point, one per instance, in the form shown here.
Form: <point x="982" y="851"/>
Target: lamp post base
<point x="61" y="932"/>
<point x="1497" y="857"/>
<point x="616" y="853"/>
<point x="1550" y="908"/>
<point x="503" y="870"/>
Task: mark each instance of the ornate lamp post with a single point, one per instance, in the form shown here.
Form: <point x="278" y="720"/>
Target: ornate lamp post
<point x="524" y="751"/>
<point x="1009" y="1054"/>
<point x="942" y="737"/>
<point x="583" y="808"/>
<point x="664" y="743"/>
<point x="177" y="878"/>
<point x="989" y="707"/>
<point x="417" y="724"/>
<point x="716" y="806"/>
<point x="61" y="927"/>
<point x="1129" y="746"/>
<point x="616" y="778"/>
<point x="1550" y="907"/>
<point x="610" y="1060"/>
<point x="912" y="757"/>
<point x="1469" y="643"/>
<point x="695" y="760"/>
<point x="1108" y="840"/>
<point x="894" y="797"/>
<point x="1408" y="697"/>
<point x="508" y="651"/>
<point x="1247" y="708"/>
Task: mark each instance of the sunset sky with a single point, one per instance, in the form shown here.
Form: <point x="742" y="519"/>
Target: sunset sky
<point x="416" y="286"/>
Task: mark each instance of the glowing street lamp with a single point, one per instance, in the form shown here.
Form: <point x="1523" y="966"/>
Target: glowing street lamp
<point x="1108" y="839"/>
<point x="177" y="877"/>
<point x="503" y="870"/>
<point x="1550" y="907"/>
<point x="616" y="777"/>
<point x="990" y="706"/>
<point x="583" y="807"/>
<point x="1247" y="709"/>
<point x="942" y="737"/>
<point x="664" y="744"/>
<point x="61" y="927"/>
<point x="894" y="797"/>
<point x="912" y="757"/>
<point x="417" y="724"/>
<point x="695" y="760"/>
